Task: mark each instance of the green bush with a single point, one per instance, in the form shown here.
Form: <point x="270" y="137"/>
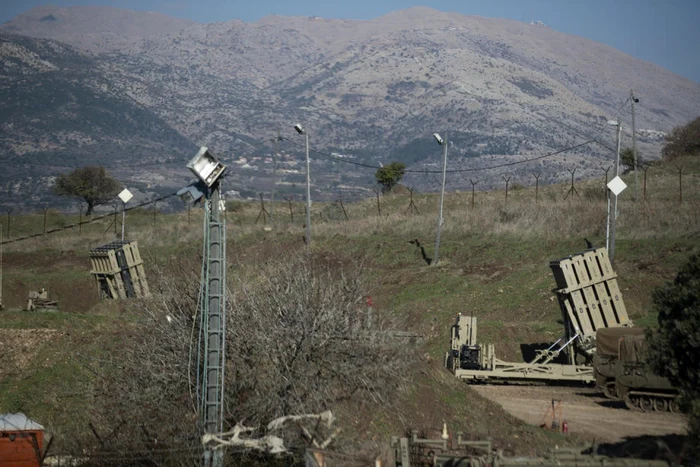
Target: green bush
<point x="675" y="347"/>
<point x="683" y="140"/>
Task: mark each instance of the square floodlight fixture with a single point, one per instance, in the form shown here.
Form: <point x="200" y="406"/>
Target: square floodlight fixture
<point x="438" y="138"/>
<point x="299" y="128"/>
<point x="192" y="192"/>
<point x="206" y="166"/>
<point x="613" y="123"/>
<point x="617" y="186"/>
<point x="125" y="196"/>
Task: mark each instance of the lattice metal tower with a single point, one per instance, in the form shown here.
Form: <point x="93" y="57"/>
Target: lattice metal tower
<point x="212" y="306"/>
<point x="213" y="322"/>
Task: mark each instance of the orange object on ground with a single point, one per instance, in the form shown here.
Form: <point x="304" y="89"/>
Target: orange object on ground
<point x="21" y="441"/>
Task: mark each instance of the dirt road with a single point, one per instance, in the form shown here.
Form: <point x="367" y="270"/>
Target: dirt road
<point x="589" y="414"/>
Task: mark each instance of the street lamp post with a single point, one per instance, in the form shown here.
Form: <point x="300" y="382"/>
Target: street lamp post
<point x="613" y="212"/>
<point x="301" y="131"/>
<point x="443" y="143"/>
<point x="125" y="195"/>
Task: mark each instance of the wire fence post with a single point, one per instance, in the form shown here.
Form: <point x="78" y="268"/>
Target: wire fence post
<point x="473" y="182"/>
<point x="342" y="206"/>
<point x="506" y="180"/>
<point x="572" y="190"/>
<point x="680" y="183"/>
<point x="114" y="221"/>
<point x="155" y="204"/>
<point x="537" y="186"/>
<point x="605" y="185"/>
<point x="291" y="210"/>
<point x="412" y="208"/>
<point x="263" y="212"/>
<point x="379" y="206"/>
<point x="9" y="220"/>
<point x="46" y="211"/>
<point x="644" y="167"/>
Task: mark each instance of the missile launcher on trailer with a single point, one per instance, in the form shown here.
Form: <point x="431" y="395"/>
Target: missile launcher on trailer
<point x="589" y="298"/>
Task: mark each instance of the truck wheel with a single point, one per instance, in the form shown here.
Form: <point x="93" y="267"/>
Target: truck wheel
<point x="675" y="406"/>
<point x="660" y="404"/>
<point x="632" y="403"/>
<point x="610" y="391"/>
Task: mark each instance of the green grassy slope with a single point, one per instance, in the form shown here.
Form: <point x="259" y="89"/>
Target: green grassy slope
<point x="494" y="264"/>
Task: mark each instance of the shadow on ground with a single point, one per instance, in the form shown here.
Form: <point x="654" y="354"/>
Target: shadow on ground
<point x="671" y="448"/>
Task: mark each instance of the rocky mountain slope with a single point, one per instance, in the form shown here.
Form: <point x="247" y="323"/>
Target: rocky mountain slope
<point x="60" y="112"/>
<point x="376" y="90"/>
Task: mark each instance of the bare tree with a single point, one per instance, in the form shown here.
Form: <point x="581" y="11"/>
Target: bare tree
<point x="301" y="342"/>
<point x="298" y="343"/>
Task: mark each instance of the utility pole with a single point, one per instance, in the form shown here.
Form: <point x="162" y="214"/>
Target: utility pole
<point x="274" y="175"/>
<point x="442" y="196"/>
<point x="633" y="100"/>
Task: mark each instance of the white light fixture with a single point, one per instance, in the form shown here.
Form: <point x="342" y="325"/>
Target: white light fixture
<point x="206" y="166"/>
<point x="613" y="122"/>
<point x="438" y="138"/>
<point x="192" y="192"/>
<point x="299" y="128"/>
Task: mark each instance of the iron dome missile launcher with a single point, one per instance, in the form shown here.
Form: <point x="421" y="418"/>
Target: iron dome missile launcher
<point x="589" y="298"/>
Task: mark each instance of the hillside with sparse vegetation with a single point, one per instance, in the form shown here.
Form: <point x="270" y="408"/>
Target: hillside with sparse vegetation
<point x="85" y="371"/>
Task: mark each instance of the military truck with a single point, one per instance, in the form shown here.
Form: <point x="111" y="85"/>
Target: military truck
<point x="637" y="385"/>
<point x="606" y="361"/>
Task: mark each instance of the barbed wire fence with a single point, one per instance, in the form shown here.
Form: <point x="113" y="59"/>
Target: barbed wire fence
<point x="63" y="222"/>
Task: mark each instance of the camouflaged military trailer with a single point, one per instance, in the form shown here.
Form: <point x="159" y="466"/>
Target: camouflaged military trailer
<point x="606" y="361"/>
<point x="637" y="385"/>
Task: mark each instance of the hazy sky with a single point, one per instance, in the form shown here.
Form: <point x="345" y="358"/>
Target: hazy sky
<point x="665" y="32"/>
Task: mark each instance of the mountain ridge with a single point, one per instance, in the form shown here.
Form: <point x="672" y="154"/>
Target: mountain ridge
<point x="376" y="89"/>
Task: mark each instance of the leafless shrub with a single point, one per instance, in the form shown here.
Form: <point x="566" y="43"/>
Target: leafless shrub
<point x="143" y="404"/>
<point x="301" y="341"/>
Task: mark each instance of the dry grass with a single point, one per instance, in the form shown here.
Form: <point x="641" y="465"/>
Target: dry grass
<point x="551" y="217"/>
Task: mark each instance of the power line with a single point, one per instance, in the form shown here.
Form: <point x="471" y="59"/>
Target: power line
<point x="70" y="226"/>
<point x="476" y="169"/>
